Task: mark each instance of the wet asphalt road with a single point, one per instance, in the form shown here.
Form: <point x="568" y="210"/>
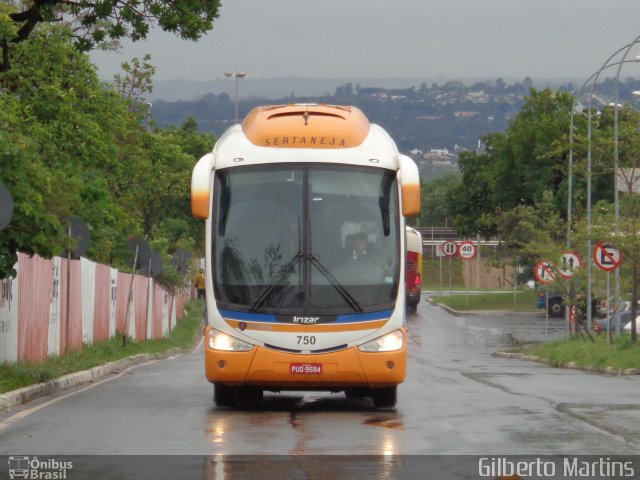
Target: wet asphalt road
<point x="458" y="399"/>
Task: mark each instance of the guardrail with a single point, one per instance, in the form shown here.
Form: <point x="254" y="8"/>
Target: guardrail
<point x="434" y="236"/>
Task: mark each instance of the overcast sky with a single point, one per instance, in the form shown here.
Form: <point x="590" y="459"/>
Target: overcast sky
<point x="396" y="39"/>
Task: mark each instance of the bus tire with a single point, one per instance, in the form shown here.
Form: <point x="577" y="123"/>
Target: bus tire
<point x="385" y="397"/>
<point x="225" y="396"/>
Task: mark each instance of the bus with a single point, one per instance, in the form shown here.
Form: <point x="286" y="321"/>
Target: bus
<point x="413" y="269"/>
<point x="286" y="195"/>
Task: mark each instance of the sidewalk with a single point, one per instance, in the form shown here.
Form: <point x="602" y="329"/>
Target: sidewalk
<point x="32" y="392"/>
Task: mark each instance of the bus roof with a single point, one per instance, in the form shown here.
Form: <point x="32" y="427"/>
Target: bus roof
<point x="306" y="126"/>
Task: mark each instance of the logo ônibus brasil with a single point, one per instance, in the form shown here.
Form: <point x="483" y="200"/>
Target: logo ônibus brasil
<point x="40" y="469"/>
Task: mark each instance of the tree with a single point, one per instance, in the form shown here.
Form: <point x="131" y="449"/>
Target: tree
<point x="434" y="200"/>
<point x="70" y="145"/>
<point x="518" y="167"/>
<point x="101" y="23"/>
<point x="137" y="79"/>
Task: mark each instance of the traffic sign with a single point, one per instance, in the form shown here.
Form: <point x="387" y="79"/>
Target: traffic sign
<point x="544" y="273"/>
<point x="607" y="258"/>
<point x="570" y="262"/>
<point x="449" y="248"/>
<point x="467" y="250"/>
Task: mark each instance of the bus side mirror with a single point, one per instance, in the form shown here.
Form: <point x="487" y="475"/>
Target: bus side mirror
<point x="410" y="187"/>
<point x="201" y="186"/>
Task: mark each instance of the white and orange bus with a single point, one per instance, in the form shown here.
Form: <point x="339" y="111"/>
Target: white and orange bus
<point x="413" y="269"/>
<point x="289" y="304"/>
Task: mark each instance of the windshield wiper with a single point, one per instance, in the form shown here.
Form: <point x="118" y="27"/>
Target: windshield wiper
<point x="284" y="272"/>
<point x="353" y="303"/>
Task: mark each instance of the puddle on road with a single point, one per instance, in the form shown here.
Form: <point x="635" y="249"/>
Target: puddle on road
<point x="385" y="422"/>
<point x="510" y="331"/>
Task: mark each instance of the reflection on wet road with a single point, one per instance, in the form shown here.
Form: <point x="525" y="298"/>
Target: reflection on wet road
<point x="458" y="398"/>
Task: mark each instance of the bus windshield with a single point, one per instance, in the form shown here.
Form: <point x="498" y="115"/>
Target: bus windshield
<point x="314" y="238"/>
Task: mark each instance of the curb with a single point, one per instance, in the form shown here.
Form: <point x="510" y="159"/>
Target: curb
<point x="570" y="365"/>
<point x="32" y="392"/>
<point x="458" y="313"/>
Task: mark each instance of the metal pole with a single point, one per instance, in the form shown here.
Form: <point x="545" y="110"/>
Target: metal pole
<point x="237" y="76"/>
<point x="615" y="167"/>
<point x="595" y="77"/>
<point x="477" y="262"/>
<point x="236" y="97"/>
<point x="570" y="173"/>
<point x="608" y="300"/>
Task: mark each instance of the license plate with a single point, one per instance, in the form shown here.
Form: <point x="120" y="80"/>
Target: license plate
<point x="305" y="368"/>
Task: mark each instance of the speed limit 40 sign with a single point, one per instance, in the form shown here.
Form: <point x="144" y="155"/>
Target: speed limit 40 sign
<point x="467" y="250"/>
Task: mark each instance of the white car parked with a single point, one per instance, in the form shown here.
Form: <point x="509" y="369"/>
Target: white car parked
<point x="627" y="327"/>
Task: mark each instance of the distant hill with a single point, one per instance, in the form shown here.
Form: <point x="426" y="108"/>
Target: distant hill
<point x="420" y="115"/>
<point x="181" y="89"/>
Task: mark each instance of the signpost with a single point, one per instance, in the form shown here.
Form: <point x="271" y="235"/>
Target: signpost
<point x="607" y="258"/>
<point x="466" y="251"/>
<point x="449" y="248"/>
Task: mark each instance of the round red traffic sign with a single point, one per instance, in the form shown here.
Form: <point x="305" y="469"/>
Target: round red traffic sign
<point x="544" y="273"/>
<point x="467" y="250"/>
<point x="606" y="257"/>
<point x="570" y="263"/>
<point x="449" y="248"/>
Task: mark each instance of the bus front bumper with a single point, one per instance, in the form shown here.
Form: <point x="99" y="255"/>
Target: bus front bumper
<point x="277" y="370"/>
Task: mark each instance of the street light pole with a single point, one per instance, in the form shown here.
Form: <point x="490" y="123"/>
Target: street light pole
<point x="616" y="192"/>
<point x="237" y="76"/>
<point x="593" y="79"/>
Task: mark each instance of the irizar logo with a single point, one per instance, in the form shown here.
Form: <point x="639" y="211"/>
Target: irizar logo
<point x="306" y="320"/>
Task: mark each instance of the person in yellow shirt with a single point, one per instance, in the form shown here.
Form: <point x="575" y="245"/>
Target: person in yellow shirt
<point x="198" y="282"/>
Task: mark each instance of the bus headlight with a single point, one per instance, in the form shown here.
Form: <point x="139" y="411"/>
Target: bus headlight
<point x="388" y="343"/>
<point x="222" y="341"/>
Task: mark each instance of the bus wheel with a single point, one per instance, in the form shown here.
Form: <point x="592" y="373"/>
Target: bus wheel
<point x="224" y="396"/>
<point x="385" y="397"/>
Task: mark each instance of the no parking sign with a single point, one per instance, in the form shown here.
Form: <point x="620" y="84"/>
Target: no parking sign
<point x="606" y="257"/>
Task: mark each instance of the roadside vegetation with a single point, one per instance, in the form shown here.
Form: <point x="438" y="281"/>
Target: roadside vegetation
<point x="621" y="354"/>
<point x="182" y="338"/>
<point x="72" y="145"/>
<point x="519" y="301"/>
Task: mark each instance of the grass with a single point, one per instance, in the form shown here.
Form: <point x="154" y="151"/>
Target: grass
<point x="22" y="374"/>
<point x="524" y="301"/>
<point x="621" y="354"/>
